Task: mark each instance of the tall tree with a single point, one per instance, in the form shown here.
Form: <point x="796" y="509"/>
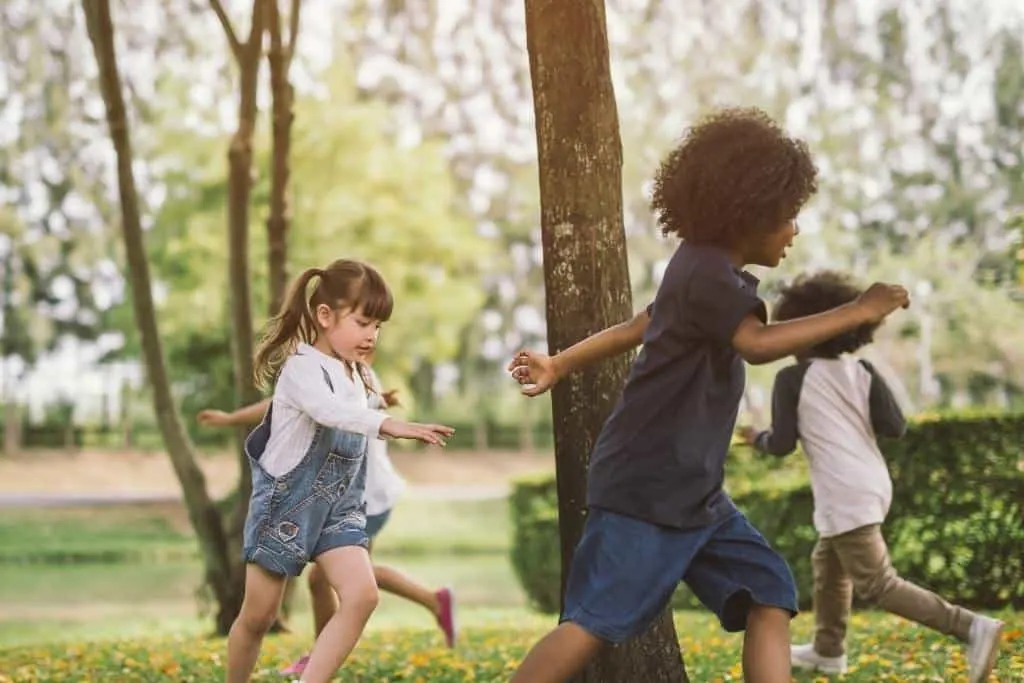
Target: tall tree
<point x="248" y="56"/>
<point x="282" y="93"/>
<point x="586" y="273"/>
<point x="223" y="569"/>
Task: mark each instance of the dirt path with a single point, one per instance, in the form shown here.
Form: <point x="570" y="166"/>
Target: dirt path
<point x="107" y="474"/>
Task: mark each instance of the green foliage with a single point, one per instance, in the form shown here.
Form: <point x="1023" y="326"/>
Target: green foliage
<point x="355" y="193"/>
<point x="536" y="554"/>
<point x="956" y="523"/>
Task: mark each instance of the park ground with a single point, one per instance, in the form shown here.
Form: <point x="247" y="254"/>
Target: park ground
<point x="110" y="592"/>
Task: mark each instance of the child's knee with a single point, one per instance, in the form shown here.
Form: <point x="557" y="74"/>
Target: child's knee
<point x="255" y="620"/>
<point x="317" y="579"/>
<point x="363" y="598"/>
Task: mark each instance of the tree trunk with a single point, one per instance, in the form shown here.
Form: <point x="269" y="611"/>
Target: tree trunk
<point x="282" y="98"/>
<point x="127" y="439"/>
<point x="586" y="274"/>
<point x="221" y="569"/>
<point x="248" y="56"/>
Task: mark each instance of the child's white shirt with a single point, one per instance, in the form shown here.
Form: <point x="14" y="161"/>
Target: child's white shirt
<point x="837" y="408"/>
<point x="384" y="486"/>
<point x="314" y="389"/>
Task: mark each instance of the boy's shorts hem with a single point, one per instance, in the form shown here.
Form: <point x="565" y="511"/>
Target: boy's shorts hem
<point x="594" y="626"/>
<point x="733" y="615"/>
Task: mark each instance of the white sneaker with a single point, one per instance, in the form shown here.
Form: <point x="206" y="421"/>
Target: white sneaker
<point x="804" y="657"/>
<point x="983" y="647"/>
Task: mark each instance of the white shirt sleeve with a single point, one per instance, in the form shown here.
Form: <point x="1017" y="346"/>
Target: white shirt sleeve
<point x="302" y="385"/>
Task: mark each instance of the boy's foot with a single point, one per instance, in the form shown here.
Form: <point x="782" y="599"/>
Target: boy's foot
<point x="446" y="615"/>
<point x="804" y="657"/>
<point x="298" y="667"/>
<point x="983" y="647"/>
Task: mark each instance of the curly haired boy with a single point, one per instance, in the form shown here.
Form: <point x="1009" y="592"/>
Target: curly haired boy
<point x="836" y="406"/>
<point x="658" y="514"/>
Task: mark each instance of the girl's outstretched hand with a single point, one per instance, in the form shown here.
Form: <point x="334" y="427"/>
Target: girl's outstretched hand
<point x="427" y="433"/>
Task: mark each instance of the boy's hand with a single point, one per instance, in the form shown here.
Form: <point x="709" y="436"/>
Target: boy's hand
<point x="748" y="435"/>
<point x="390" y="398"/>
<point x="214" y="418"/>
<point x="536" y="372"/>
<point x="881" y="299"/>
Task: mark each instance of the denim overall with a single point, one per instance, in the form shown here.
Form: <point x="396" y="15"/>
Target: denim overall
<point x="316" y="507"/>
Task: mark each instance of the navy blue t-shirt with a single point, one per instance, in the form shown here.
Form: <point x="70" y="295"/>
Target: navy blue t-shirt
<point x="661" y="455"/>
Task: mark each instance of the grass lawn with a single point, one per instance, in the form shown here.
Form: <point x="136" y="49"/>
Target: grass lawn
<point x="883" y="648"/>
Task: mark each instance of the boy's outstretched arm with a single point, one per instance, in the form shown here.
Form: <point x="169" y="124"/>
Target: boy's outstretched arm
<point x="538" y="372"/>
<point x="780" y="439"/>
<point x="760" y="343"/>
<point x="249" y="415"/>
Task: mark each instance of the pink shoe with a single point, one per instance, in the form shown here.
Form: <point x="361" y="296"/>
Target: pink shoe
<point x="446" y="617"/>
<point x="298" y="667"/>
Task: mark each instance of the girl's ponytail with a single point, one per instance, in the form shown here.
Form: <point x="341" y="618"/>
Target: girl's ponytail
<point x="293" y="323"/>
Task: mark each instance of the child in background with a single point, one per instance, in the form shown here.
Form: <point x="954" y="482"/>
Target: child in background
<point x="384" y="487"/>
<point x="308" y="460"/>
<point x="837" y="406"/>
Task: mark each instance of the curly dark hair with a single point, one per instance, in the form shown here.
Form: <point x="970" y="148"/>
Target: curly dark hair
<point x="735" y="174"/>
<point x="820" y="292"/>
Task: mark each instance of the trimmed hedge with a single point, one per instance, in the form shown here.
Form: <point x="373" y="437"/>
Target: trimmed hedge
<point x="956" y="523"/>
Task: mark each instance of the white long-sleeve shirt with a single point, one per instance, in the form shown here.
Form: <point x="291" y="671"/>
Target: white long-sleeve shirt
<point x="314" y="389"/>
<point x="384" y="486"/>
<point x="837" y="408"/>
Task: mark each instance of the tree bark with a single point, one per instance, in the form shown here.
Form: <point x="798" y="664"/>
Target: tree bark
<point x="221" y="569"/>
<point x="586" y="274"/>
<point x="282" y="98"/>
<point x="248" y="56"/>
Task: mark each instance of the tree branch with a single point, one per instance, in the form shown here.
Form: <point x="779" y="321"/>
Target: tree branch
<point x="293" y="32"/>
<point x="225" y="22"/>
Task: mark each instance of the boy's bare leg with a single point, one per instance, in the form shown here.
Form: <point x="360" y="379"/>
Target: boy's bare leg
<point x="766" y="646"/>
<point x="559" y="655"/>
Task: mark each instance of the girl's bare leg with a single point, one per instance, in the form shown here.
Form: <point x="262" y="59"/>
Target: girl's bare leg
<point x="350" y="573"/>
<point x="263" y="593"/>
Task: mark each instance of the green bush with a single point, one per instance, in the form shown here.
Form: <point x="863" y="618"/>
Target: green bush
<point x="956" y="523"/>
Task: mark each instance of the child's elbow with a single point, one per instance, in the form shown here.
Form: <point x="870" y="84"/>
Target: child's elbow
<point x="753" y="353"/>
<point x="752" y="344"/>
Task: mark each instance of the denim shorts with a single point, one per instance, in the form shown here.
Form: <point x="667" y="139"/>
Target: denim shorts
<point x="374" y="523"/>
<point x="316" y="507"/>
<point x="625" y="570"/>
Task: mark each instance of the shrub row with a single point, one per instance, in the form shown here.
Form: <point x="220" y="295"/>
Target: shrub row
<point x="956" y="523"/>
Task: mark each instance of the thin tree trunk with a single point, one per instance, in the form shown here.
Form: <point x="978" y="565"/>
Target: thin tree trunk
<point x="283" y="98"/>
<point x="220" y="568"/>
<point x="586" y="274"/>
<point x="248" y="56"/>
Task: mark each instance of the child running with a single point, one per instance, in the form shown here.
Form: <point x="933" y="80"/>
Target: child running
<point x="384" y="486"/>
<point x="658" y="513"/>
<point x="837" y="406"/>
<point x="308" y="462"/>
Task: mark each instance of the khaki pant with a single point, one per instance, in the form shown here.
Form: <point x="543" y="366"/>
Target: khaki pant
<point x="859" y="561"/>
